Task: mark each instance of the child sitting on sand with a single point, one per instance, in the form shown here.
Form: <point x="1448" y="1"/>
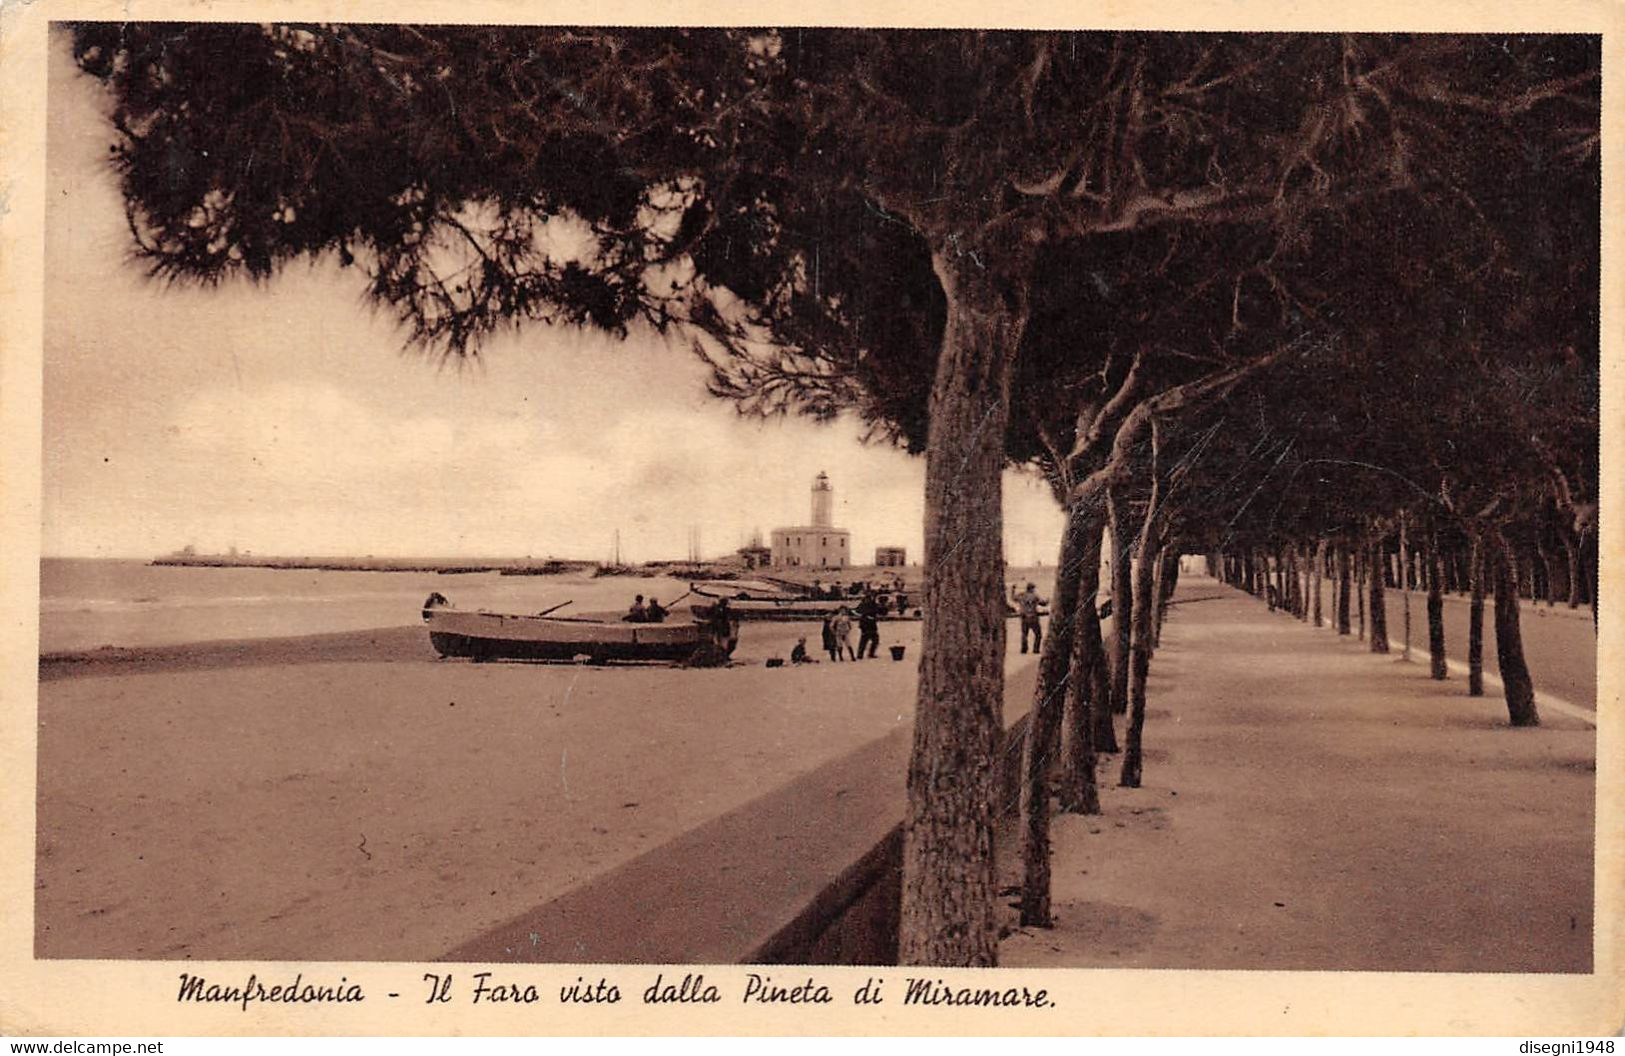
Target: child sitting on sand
<point x="798" y="655"/>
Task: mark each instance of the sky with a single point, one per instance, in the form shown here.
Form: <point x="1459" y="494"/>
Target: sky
<point x="288" y="418"/>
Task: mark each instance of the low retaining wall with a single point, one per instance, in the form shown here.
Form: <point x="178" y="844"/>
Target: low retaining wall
<point x="855" y="919"/>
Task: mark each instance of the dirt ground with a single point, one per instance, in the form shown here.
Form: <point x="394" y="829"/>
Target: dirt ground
<point x="1308" y="805"/>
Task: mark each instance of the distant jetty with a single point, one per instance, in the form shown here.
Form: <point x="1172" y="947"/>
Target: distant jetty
<point x="446" y="566"/>
<point x="515" y="566"/>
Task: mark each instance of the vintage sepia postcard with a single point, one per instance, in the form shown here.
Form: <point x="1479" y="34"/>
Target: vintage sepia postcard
<point x="810" y="520"/>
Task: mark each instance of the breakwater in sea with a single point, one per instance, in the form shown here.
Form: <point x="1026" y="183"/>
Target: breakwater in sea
<point x="446" y="566"/>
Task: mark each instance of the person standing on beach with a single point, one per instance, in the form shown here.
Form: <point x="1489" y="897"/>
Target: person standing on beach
<point x="841" y="628"/>
<point x="829" y="637"/>
<point x="868" y="627"/>
<point x="722" y="626"/>
<point x="1028" y="605"/>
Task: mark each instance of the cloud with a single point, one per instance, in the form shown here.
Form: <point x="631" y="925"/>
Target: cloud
<point x="492" y="475"/>
<point x="297" y="432"/>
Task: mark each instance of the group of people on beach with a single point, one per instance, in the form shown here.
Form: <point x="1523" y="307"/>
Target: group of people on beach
<point x="652" y="612"/>
<point x="865" y="590"/>
<point x="837" y="633"/>
<point x="855" y="589"/>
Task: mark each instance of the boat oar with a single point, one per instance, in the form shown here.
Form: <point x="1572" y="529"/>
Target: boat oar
<point x="555" y="608"/>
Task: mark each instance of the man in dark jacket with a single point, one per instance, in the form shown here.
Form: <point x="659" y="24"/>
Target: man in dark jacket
<point x="1030" y="606"/>
<point x="868" y="626"/>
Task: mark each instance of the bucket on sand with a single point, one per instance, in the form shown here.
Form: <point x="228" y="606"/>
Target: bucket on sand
<point x="897" y="652"/>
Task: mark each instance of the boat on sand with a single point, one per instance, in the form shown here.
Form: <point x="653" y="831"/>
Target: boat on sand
<point x="748" y="590"/>
<point x="482" y="635"/>
<point x="804" y="609"/>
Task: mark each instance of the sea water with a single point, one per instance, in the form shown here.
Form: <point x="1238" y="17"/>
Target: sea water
<point x="89" y="603"/>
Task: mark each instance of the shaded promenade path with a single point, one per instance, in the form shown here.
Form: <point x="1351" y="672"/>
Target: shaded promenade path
<point x="1308" y="805"/>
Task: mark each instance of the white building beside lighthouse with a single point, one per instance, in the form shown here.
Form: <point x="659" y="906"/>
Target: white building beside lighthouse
<point x="818" y="544"/>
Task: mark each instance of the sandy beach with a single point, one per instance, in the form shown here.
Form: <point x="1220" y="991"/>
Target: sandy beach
<point x="289" y="799"/>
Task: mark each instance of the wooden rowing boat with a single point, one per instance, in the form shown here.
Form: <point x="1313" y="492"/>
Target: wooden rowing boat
<point x="481" y="635"/>
<point x="803" y="609"/>
<point x="746" y="590"/>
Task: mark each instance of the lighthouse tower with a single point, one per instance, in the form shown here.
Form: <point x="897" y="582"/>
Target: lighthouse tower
<point x="818" y="543"/>
<point x="823" y="502"/>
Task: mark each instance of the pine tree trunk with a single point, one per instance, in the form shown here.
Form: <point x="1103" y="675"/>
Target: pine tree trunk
<point x="1159" y="576"/>
<point x="1405" y="584"/>
<point x="1089" y="718"/>
<point x="1557" y="586"/>
<point x="1294" y="582"/>
<point x="1329" y="573"/>
<point x="1122" y="598"/>
<point x="1590" y="569"/>
<point x="1140" y="638"/>
<point x="1167" y="578"/>
<point x="1343" y="576"/>
<point x="1520" y="687"/>
<point x="1439" y="668"/>
<point x="1289" y="580"/>
<point x="1281" y="577"/>
<point x="1139" y="671"/>
<point x="1049" y="705"/>
<point x="1475" y="616"/>
<point x="1305" y="575"/>
<point x="1287" y="576"/>
<point x="1360" y="572"/>
<point x="1104" y="737"/>
<point x="1572" y="551"/>
<point x="949" y="880"/>
<point x="1314" y="577"/>
<point x="1377" y="605"/>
